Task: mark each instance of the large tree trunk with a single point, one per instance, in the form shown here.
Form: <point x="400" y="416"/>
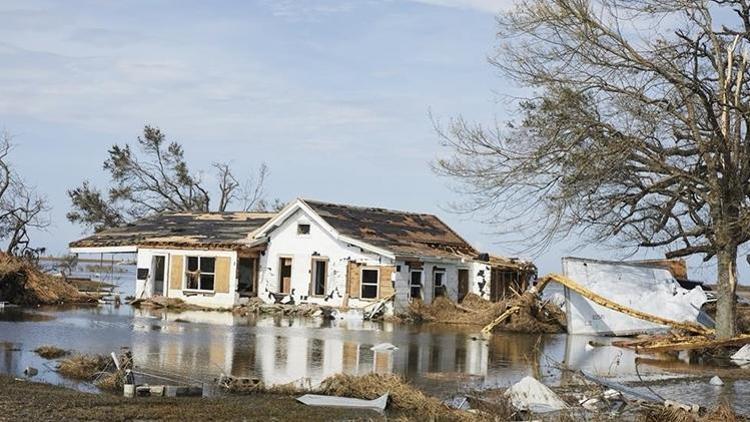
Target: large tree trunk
<point x="727" y="282"/>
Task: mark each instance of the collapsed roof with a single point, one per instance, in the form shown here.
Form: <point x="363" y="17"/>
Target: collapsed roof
<point x="405" y="234"/>
<point x="187" y="229"/>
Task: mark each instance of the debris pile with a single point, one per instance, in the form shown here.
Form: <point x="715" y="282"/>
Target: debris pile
<point x="23" y="283"/>
<point x="170" y="303"/>
<point x="524" y="313"/>
<point x="257" y="306"/>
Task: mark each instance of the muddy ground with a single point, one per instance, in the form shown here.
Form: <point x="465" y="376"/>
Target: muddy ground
<point x="30" y="401"/>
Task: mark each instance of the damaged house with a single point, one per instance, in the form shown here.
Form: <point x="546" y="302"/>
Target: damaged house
<point x="315" y="252"/>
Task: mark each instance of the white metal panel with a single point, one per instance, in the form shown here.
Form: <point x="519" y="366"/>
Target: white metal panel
<point x="650" y="290"/>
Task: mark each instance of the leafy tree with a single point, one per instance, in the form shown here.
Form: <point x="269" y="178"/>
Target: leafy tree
<point x="637" y="131"/>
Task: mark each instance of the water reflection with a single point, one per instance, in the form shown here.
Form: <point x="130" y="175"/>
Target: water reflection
<point x="202" y="345"/>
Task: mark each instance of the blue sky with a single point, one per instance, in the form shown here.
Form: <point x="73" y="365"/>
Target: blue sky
<point x="334" y="95"/>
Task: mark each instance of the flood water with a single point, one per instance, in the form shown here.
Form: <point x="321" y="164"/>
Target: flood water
<point x="442" y="360"/>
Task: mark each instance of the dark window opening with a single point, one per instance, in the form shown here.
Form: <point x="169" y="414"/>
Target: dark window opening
<point x="319" y="277"/>
<point x="303" y="229"/>
<point x="370" y="284"/>
<point x="415" y="284"/>
<point x="438" y="279"/>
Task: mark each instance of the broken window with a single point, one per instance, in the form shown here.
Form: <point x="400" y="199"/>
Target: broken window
<point x="370" y="283"/>
<point x="415" y="285"/>
<point x="319" y="277"/>
<point x="438" y="283"/>
<point x="200" y="273"/>
<point x="303" y="228"/>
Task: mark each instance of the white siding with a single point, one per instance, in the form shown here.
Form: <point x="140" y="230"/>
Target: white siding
<point x="285" y="242"/>
<point x="213" y="300"/>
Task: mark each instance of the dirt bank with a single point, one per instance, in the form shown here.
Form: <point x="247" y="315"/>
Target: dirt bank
<point x="22" y="400"/>
<point x="24" y="283"/>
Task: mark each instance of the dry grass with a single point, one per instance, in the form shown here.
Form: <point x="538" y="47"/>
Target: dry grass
<point x="403" y="397"/>
<point x="722" y="413"/>
<point x="23" y="283"/>
<point x="111" y="381"/>
<point x="51" y="352"/>
<point x="83" y="367"/>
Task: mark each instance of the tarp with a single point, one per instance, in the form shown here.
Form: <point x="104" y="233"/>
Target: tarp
<point x="646" y="289"/>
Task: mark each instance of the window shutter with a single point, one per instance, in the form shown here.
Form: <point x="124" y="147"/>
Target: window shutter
<point x="221" y="277"/>
<point x="353" y="279"/>
<point x="385" y="287"/>
<point x="176" y="271"/>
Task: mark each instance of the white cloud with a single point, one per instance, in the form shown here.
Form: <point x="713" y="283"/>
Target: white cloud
<point x="489" y="6"/>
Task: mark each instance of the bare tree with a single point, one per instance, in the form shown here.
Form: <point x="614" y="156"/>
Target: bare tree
<point x="638" y="130"/>
<point x="155" y="178"/>
<point x="21" y="208"/>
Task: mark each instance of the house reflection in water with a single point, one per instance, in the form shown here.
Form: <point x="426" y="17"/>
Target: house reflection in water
<point x="280" y="350"/>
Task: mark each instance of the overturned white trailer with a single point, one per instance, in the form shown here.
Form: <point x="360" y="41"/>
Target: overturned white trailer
<point x="648" y="289"/>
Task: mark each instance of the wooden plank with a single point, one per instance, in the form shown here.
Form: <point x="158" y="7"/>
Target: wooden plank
<point x="385" y="284"/>
<point x="176" y="271"/>
<point x="353" y="279"/>
<point x="221" y="274"/>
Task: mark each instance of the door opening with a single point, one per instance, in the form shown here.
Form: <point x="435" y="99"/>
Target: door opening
<point x="158" y="269"/>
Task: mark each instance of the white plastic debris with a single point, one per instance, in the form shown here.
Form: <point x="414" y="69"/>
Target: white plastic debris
<point x="383" y="347"/>
<point x="716" y="381"/>
<point x="378" y="404"/>
<point x="533" y="396"/>
<point x="742" y="356"/>
<point x="30" y="371"/>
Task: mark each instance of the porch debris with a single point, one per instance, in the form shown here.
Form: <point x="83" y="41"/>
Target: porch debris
<point x="30" y="371"/>
<point x="533" y="396"/>
<point x="377" y="404"/>
<point x="257" y="306"/>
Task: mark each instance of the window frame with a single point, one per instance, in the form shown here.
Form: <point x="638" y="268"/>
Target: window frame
<point x="309" y="229"/>
<point x="442" y="283"/>
<point x="185" y="274"/>
<point x="313" y="273"/>
<point x="420" y="285"/>
<point x="362" y="282"/>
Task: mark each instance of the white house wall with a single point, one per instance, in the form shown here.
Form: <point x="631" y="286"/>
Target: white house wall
<point x="285" y="242"/>
<point x="144" y="289"/>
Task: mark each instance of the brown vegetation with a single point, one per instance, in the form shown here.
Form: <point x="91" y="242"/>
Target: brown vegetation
<point x="51" y="352"/>
<point x="170" y="303"/>
<point x="24" y="283"/>
<point x="83" y="367"/>
<point x="722" y="413"/>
